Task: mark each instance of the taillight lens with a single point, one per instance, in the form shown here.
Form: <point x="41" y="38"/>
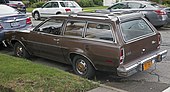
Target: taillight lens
<point x="122" y="55"/>
<point x="28" y="20"/>
<point x="159" y="41"/>
<point x="160" y="12"/>
<point x="68" y="10"/>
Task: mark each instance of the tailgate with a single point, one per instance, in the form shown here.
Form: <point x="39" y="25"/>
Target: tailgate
<point x="139" y="48"/>
<point x="13" y="22"/>
<point x="140" y="39"/>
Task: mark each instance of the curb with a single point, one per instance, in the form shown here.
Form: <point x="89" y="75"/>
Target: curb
<point x="112" y="88"/>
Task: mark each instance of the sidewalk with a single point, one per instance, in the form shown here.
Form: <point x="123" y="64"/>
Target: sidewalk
<point x="104" y="88"/>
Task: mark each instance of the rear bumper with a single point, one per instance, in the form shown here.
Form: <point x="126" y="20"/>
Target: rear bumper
<point x="130" y="69"/>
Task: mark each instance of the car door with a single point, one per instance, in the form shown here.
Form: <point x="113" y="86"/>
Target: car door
<point x="46" y="10"/>
<point x="44" y="41"/>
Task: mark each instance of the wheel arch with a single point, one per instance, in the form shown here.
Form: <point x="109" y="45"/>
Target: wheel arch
<point x="12" y="42"/>
<point x="73" y="54"/>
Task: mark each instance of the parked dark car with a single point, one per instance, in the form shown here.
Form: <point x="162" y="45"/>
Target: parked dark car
<point x="155" y="13"/>
<point x="11" y="19"/>
<point x="4" y="1"/>
<point x="93" y="41"/>
<point x="17" y="4"/>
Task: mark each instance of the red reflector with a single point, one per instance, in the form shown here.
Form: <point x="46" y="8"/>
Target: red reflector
<point x="122" y="56"/>
<point x="160" y="12"/>
<point x="28" y="20"/>
<point x="67" y="10"/>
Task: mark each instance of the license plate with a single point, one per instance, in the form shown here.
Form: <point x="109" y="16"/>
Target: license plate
<point x="14" y="24"/>
<point x="147" y="65"/>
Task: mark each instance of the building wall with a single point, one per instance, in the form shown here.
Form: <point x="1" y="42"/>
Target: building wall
<point x="110" y="2"/>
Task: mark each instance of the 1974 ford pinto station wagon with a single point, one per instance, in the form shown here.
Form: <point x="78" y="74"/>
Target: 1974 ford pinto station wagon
<point x="124" y="43"/>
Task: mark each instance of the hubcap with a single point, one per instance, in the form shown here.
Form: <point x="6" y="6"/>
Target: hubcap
<point x="81" y="67"/>
<point x="19" y="51"/>
<point x="36" y="15"/>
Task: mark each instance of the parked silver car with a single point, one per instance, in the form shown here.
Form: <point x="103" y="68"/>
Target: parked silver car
<point x="11" y="19"/>
<point x="152" y="11"/>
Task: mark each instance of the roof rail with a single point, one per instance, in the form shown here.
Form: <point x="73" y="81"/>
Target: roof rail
<point x="97" y="15"/>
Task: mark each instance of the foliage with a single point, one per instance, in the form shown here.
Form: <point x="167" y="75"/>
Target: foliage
<point x="86" y="3"/>
<point x="98" y="2"/>
<point x="38" y="4"/>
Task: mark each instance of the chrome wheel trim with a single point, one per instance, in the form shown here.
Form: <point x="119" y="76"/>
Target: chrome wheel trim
<point x="81" y="67"/>
<point x="19" y="51"/>
<point x="36" y="16"/>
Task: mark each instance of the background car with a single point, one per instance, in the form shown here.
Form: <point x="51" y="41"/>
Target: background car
<point x="155" y="13"/>
<point x="11" y="19"/>
<point x="17" y="4"/>
<point x="4" y="1"/>
<point x="56" y="7"/>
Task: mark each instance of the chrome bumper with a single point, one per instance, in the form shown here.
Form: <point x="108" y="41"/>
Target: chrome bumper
<point x="125" y="71"/>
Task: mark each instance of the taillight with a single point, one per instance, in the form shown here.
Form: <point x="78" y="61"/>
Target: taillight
<point x="160" y="12"/>
<point x="122" y="55"/>
<point x="159" y="41"/>
<point x="68" y="10"/>
<point x="28" y="20"/>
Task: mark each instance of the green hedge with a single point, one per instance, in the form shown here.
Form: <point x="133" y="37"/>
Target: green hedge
<point x="38" y="4"/>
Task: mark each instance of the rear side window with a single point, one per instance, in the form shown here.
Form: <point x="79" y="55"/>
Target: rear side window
<point x="99" y="32"/>
<point x="74" y="28"/>
<point x="135" y="28"/>
<point x="68" y="4"/>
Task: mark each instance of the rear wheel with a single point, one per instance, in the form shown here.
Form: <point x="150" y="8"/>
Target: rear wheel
<point x="83" y="67"/>
<point x="20" y="51"/>
<point x="36" y="16"/>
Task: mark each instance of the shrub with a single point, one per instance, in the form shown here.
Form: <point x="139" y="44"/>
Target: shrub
<point x="98" y="2"/>
<point x="38" y="4"/>
<point x="86" y="3"/>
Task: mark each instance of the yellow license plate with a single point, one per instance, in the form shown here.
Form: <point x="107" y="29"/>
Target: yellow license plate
<point x="147" y="65"/>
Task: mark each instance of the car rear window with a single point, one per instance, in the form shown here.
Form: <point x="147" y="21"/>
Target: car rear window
<point x="135" y="29"/>
<point x="5" y="10"/>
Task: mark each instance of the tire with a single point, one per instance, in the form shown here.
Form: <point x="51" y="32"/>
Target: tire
<point x="83" y="67"/>
<point x="20" y="51"/>
<point x="37" y="16"/>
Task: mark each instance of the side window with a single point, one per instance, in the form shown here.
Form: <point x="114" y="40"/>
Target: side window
<point x="119" y="6"/>
<point x="52" y="26"/>
<point x="99" y="31"/>
<point x="48" y="5"/>
<point x="74" y="28"/>
<point x="134" y="5"/>
<point x="55" y="5"/>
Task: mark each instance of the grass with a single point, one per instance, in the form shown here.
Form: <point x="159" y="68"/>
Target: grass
<point x="22" y="75"/>
<point x="85" y="9"/>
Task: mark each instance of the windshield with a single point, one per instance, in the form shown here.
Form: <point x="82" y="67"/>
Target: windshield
<point x="134" y="29"/>
<point x="5" y="10"/>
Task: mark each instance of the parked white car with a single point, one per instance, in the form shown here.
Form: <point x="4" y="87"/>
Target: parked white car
<point x="56" y="7"/>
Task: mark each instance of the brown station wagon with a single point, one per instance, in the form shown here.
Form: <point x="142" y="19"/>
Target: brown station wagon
<point x="125" y="43"/>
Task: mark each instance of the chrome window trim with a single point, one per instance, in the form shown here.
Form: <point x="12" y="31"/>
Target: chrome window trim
<point x="139" y="37"/>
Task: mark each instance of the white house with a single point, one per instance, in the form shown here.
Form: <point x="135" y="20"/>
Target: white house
<point x="110" y="2"/>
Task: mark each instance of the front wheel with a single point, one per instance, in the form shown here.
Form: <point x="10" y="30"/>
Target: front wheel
<point x="20" y="51"/>
<point x="36" y="16"/>
<point x="83" y="67"/>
